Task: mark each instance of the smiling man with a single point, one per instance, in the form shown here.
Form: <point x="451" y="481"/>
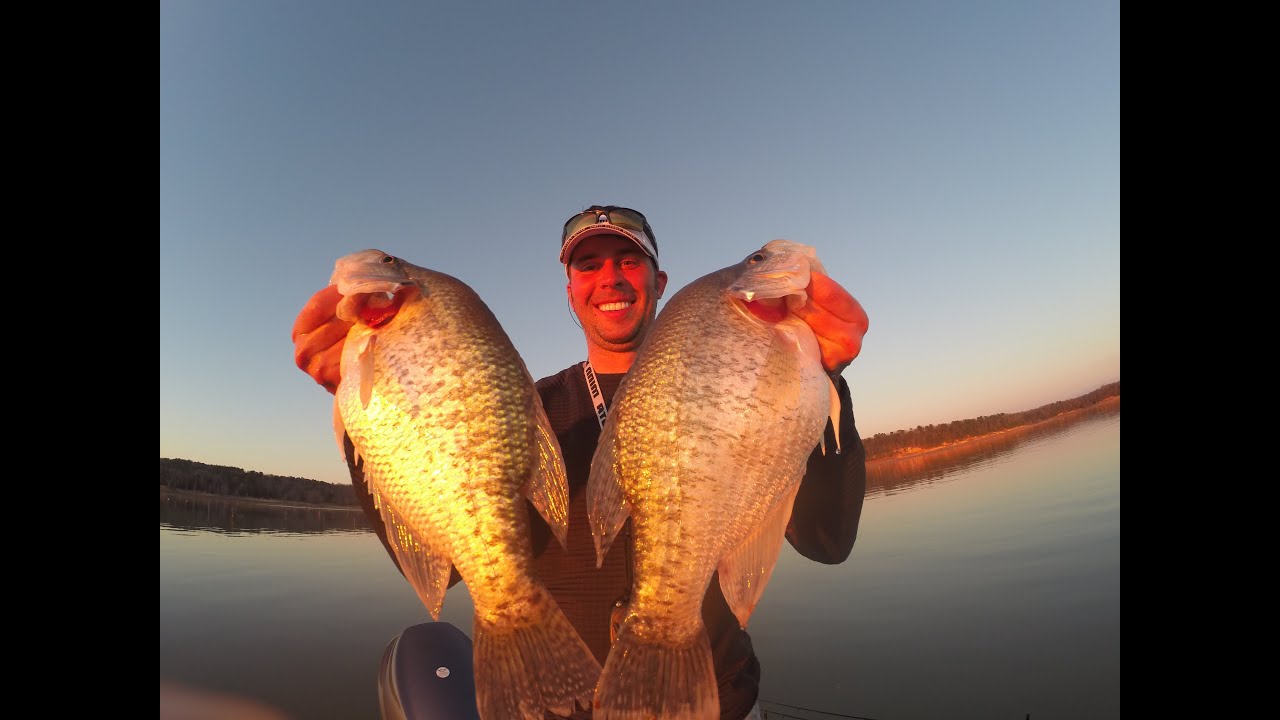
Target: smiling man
<point x="614" y="285"/>
<point x="610" y="254"/>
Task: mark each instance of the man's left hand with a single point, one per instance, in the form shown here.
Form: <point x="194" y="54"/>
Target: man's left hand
<point x="837" y="320"/>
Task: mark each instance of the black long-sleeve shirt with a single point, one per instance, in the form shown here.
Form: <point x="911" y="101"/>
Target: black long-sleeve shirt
<point x="823" y="527"/>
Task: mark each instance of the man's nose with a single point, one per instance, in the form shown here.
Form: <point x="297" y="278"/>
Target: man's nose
<point x="610" y="273"/>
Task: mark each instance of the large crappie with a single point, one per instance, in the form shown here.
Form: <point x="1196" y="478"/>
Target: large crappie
<point x="705" y="447"/>
<point x="453" y="436"/>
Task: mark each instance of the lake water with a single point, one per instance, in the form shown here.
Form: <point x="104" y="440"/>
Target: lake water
<point x="985" y="583"/>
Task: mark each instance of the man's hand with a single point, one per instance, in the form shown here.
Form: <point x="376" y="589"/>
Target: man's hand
<point x="837" y="320"/>
<point x="318" y="337"/>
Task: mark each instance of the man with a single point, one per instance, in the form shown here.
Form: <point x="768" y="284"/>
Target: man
<point x="610" y="256"/>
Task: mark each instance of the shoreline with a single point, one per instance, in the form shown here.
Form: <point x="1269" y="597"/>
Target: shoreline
<point x="1106" y="403"/>
<point x="294" y="504"/>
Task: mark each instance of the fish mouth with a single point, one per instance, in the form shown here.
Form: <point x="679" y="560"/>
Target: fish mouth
<point x="375" y="303"/>
<point x="775" y="285"/>
<point x="769" y="309"/>
<point x="769" y="294"/>
<point x="366" y="284"/>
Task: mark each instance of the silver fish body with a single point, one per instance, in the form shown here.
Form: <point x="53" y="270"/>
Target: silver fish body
<point x="453" y="437"/>
<point x="705" y="447"/>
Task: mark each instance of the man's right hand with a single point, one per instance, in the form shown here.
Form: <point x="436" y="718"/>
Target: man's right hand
<point x="318" y="337"/>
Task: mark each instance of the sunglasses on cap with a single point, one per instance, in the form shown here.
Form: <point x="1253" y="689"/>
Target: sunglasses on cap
<point x="620" y="217"/>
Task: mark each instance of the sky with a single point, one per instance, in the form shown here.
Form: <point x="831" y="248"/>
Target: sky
<point x="955" y="165"/>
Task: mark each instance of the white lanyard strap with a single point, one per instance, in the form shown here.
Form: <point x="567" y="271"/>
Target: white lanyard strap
<point x="590" y="374"/>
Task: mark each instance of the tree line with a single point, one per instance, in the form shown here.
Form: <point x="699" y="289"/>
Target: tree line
<point x="926" y="437"/>
<point x="179" y="474"/>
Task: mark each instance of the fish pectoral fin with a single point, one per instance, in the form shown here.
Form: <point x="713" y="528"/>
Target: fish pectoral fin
<point x="745" y="571"/>
<point x="365" y="371"/>
<point x="340" y="433"/>
<point x="548" y="486"/>
<point x="607" y="507"/>
<point x="427" y="568"/>
<point x="796" y="336"/>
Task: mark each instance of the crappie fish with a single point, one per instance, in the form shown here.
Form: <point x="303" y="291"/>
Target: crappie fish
<point x="705" y="447"/>
<point x="453" y="436"/>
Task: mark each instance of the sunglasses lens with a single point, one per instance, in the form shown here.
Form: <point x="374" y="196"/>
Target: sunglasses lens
<point x="627" y="218"/>
<point x="622" y="217"/>
<point x="577" y="222"/>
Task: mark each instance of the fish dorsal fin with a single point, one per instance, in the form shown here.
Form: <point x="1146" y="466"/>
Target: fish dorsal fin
<point x="607" y="507"/>
<point x="425" y="565"/>
<point x="745" y="571"/>
<point x="548" y="485"/>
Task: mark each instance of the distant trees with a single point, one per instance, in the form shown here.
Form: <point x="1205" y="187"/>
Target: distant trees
<point x="222" y="480"/>
<point x="181" y="474"/>
<point x="900" y="442"/>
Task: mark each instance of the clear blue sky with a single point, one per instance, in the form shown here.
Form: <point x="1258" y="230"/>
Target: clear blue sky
<point x="956" y="165"/>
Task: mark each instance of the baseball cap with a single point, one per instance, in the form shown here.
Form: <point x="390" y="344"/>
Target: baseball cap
<point x="611" y="220"/>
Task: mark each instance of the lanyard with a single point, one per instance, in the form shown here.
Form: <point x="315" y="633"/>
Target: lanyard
<point x="590" y="374"/>
<point x="619" y="605"/>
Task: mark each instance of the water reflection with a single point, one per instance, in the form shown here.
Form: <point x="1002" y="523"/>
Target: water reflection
<point x="998" y="594"/>
<point x="233" y="516"/>
<point x="894" y="475"/>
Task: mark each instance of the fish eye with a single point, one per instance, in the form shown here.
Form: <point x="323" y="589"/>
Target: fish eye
<point x="389" y="260"/>
<point x="755" y="258"/>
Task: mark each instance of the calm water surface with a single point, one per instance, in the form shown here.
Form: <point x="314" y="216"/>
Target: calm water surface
<point x="984" y="584"/>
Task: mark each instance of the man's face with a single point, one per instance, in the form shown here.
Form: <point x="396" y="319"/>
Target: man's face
<point x="614" y="290"/>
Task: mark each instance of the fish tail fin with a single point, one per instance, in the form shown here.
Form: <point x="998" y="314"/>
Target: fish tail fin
<point x="541" y="665"/>
<point x="643" y="679"/>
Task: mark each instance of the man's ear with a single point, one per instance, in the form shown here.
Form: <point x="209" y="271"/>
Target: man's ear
<point x="661" y="282"/>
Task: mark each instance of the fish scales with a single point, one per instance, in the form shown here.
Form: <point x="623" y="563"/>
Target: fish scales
<point x="705" y="446"/>
<point x="452" y="435"/>
<point x="468" y="436"/>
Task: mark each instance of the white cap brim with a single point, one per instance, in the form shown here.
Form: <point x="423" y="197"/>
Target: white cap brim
<point x="640" y="238"/>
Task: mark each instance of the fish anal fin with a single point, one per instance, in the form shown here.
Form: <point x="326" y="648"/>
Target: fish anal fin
<point x="548" y="485"/>
<point x="607" y="507"/>
<point x="426" y="567"/>
<point x="745" y="571"/>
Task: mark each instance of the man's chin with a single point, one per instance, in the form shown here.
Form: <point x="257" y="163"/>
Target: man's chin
<point x="619" y="341"/>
